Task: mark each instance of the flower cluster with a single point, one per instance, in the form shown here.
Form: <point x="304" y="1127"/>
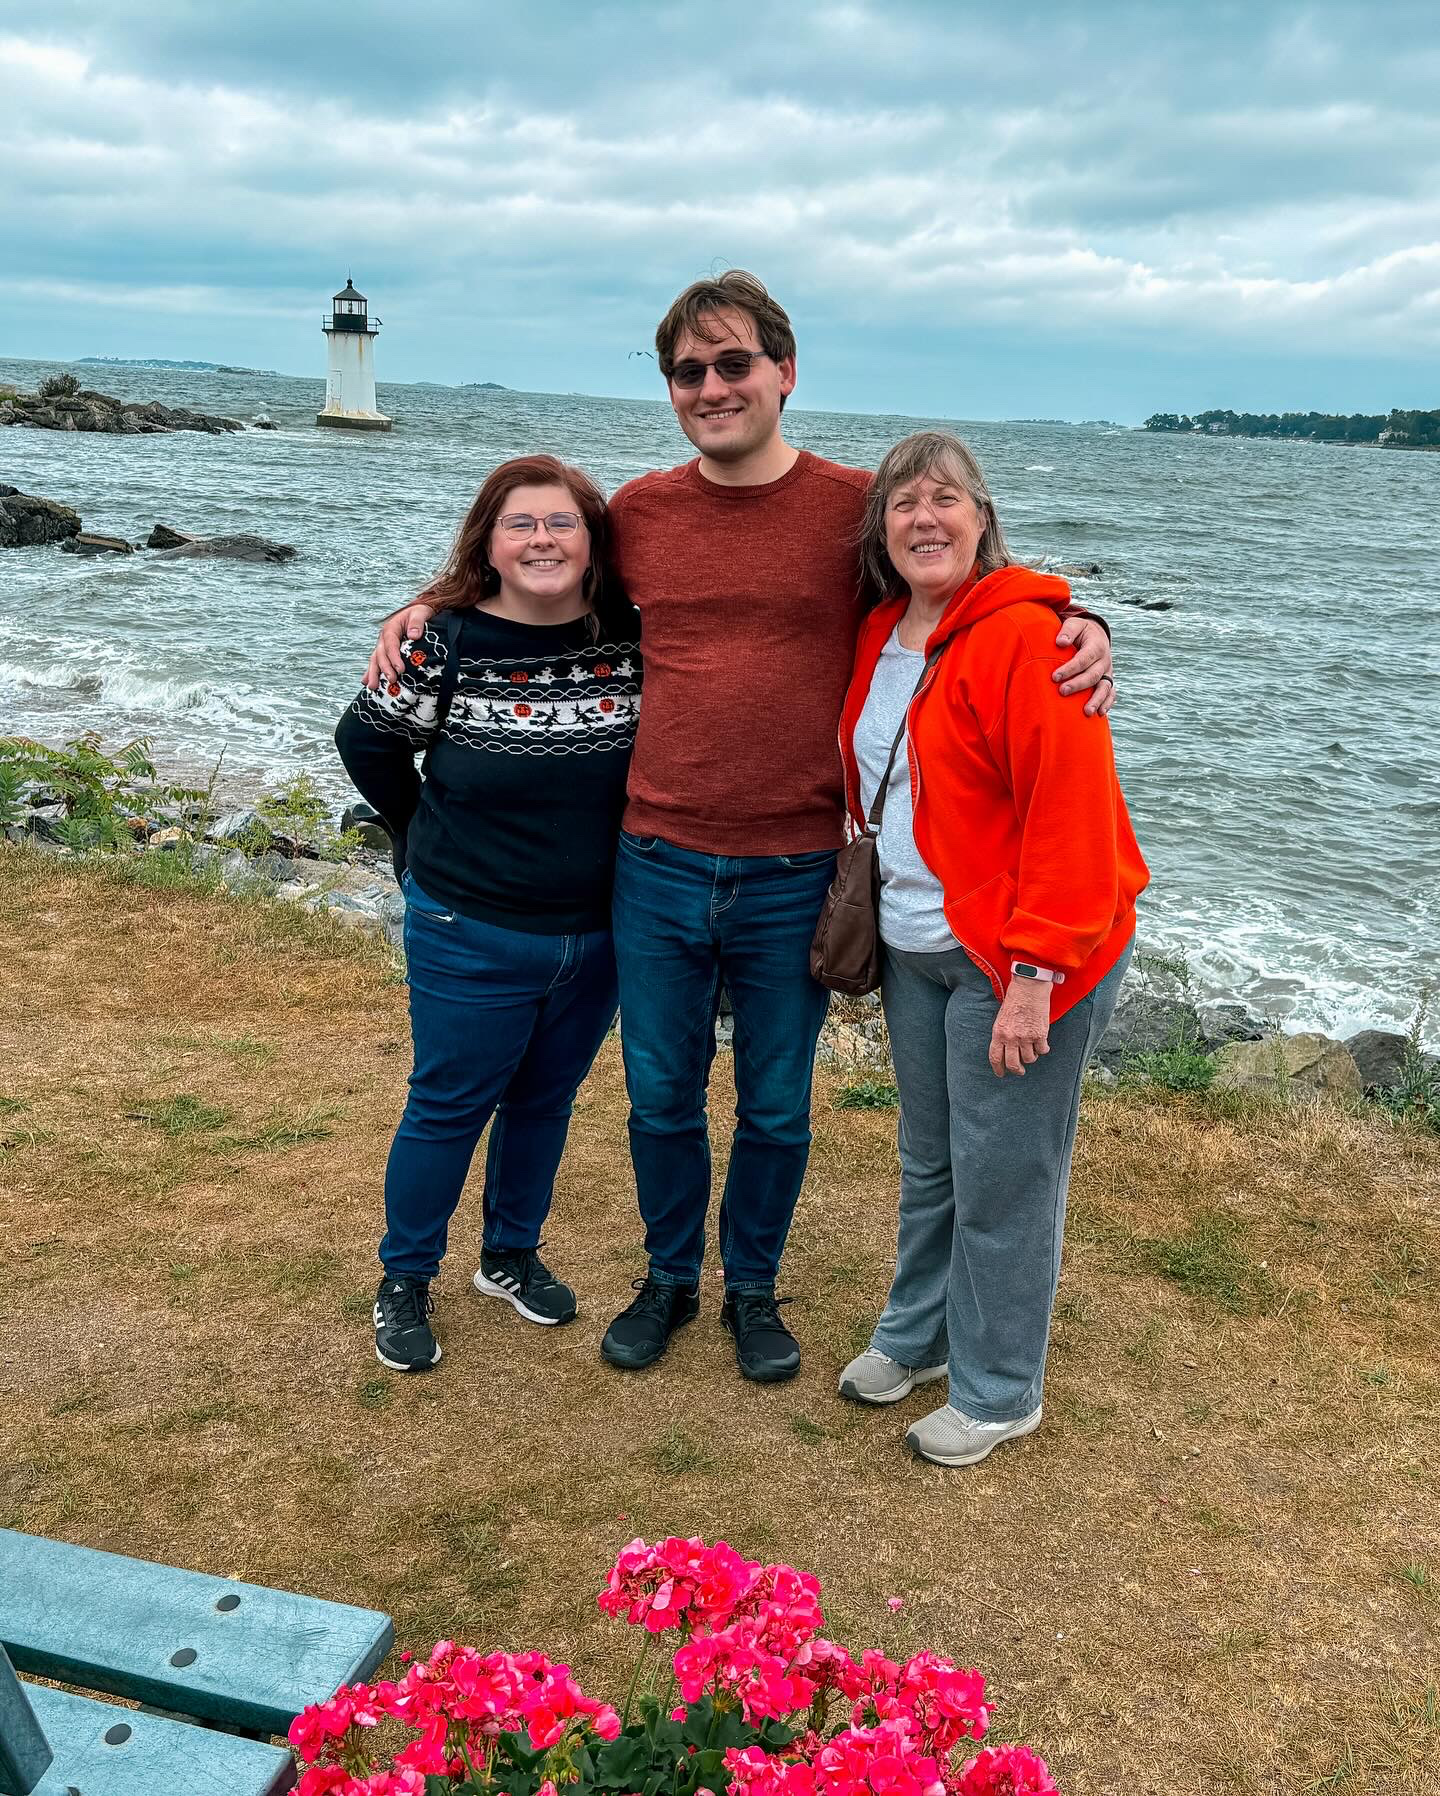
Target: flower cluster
<point x="757" y="1681"/>
<point x="458" y="1704"/>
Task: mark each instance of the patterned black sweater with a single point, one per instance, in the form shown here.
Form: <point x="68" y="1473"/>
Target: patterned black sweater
<point x="516" y="818"/>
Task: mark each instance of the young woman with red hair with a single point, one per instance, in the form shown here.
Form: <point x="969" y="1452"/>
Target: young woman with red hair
<point x="523" y="694"/>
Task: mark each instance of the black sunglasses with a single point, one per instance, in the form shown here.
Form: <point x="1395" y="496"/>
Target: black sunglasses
<point x="734" y="365"/>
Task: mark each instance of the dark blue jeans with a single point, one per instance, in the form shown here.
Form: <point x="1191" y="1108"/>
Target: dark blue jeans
<point x="684" y="923"/>
<point x="505" y="1024"/>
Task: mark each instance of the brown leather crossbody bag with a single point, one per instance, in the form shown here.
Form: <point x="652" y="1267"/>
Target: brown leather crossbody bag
<point x="845" y="954"/>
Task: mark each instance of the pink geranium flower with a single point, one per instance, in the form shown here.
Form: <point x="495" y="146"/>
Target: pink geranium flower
<point x="1006" y="1771"/>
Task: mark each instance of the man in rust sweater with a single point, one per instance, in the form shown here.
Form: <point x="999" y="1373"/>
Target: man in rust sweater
<point x="744" y="566"/>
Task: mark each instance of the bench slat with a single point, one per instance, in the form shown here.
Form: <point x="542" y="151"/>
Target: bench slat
<point x="248" y="1656"/>
<point x="156" y="1758"/>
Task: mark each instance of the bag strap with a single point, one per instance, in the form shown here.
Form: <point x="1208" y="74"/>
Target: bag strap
<point x="446" y="625"/>
<point x="872" y="822"/>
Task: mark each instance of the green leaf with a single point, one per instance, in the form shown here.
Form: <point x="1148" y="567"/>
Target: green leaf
<point x="620" y="1763"/>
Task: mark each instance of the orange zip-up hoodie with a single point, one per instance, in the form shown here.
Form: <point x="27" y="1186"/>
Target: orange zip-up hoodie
<point x="1018" y="812"/>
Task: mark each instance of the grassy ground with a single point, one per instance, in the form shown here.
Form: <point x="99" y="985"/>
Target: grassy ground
<point x="1216" y="1569"/>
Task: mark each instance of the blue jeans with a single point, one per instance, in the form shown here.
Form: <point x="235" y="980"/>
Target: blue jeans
<point x="505" y="1024"/>
<point x="684" y="923"/>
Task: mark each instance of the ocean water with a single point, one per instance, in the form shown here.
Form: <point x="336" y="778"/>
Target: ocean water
<point x="1276" y="727"/>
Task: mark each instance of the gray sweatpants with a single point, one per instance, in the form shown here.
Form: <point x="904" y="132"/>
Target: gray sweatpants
<point x="984" y="1167"/>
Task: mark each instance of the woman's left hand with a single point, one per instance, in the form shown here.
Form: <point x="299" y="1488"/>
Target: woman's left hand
<point x="1022" y="1029"/>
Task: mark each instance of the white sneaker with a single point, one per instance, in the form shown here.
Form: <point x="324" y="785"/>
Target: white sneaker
<point x="874" y="1377"/>
<point x="949" y="1437"/>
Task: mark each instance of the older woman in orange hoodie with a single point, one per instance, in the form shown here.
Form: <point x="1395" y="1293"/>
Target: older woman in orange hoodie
<point x="1009" y="873"/>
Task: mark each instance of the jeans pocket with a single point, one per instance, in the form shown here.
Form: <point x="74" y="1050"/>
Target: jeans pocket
<point x="641" y="844"/>
<point x="821" y="857"/>
<point x="420" y="904"/>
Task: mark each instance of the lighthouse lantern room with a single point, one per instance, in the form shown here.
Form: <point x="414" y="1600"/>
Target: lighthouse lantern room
<point x="350" y="376"/>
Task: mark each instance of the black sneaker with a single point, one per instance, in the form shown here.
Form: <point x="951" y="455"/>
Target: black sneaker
<point x="521" y="1277"/>
<point x="404" y="1340"/>
<point x="764" y="1347"/>
<point x="641" y="1333"/>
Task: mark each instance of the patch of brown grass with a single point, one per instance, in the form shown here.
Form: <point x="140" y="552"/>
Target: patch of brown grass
<point x="1213" y="1570"/>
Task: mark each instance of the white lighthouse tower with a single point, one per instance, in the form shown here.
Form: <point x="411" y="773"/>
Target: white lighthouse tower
<point x="350" y="376"/>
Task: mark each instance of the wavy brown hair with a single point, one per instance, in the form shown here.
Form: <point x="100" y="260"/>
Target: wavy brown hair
<point x="941" y="455"/>
<point x="467" y="576"/>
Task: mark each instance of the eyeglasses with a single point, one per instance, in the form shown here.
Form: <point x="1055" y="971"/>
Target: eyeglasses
<point x="558" y="523"/>
<point x="734" y="365"/>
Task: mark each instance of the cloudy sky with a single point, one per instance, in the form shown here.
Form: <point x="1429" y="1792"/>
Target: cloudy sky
<point x="1007" y="210"/>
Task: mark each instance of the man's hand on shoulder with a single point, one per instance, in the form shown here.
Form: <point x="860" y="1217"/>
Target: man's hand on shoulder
<point x="400" y="626"/>
<point x="1089" y="668"/>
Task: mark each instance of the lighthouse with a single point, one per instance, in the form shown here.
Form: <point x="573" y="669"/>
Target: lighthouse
<point x="350" y="376"/>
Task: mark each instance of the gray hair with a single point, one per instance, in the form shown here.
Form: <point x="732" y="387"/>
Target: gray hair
<point x="942" y="456"/>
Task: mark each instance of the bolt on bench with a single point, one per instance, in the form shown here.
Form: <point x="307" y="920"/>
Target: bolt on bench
<point x="212" y="1653"/>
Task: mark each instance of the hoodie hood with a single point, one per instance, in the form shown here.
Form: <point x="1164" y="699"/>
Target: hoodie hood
<point x="994" y="592"/>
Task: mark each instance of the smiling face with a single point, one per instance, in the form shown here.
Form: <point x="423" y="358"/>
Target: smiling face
<point x="542" y="575"/>
<point x="730" y="421"/>
<point x="932" y="530"/>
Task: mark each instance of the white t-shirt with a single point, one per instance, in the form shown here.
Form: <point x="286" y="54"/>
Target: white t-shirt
<point x="912" y="911"/>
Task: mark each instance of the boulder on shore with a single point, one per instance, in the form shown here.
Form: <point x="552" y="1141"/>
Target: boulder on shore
<point x="163" y="537"/>
<point x="1308" y="1062"/>
<point x="27" y="522"/>
<point x="1147" y="1022"/>
<point x="228" y="548"/>
<point x="100" y="412"/>
<point x="88" y="542"/>
<point x="1380" y="1056"/>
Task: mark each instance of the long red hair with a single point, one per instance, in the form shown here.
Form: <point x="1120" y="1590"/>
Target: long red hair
<point x="467" y="576"/>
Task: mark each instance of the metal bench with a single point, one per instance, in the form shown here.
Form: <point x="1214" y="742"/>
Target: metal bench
<point x="200" y="1649"/>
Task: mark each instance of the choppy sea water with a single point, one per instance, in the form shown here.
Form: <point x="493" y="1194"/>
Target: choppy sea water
<point x="1276" y="727"/>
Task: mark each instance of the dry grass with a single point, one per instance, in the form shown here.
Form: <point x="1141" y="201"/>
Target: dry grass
<point x="1214" y="1571"/>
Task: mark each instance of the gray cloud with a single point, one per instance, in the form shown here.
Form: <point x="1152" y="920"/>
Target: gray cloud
<point x="1260" y="179"/>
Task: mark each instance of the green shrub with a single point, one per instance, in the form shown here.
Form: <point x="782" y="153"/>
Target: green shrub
<point x="105" y="794"/>
<point x="1180" y="1063"/>
<point x="58" y="386"/>
<point x="1416" y="1094"/>
<point x="868" y="1094"/>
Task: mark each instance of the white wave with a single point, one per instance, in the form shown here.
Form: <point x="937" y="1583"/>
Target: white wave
<point x="124" y="687"/>
<point x="1039" y="467"/>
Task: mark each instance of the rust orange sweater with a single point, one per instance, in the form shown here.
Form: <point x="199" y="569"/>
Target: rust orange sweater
<point x="749" y="599"/>
<point x="1018" y="811"/>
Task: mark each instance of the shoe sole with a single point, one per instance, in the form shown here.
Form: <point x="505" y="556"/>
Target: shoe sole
<point x="921" y="1375"/>
<point x="639" y="1365"/>
<point x="423" y="1365"/>
<point x="957" y="1459"/>
<point x="487" y="1288"/>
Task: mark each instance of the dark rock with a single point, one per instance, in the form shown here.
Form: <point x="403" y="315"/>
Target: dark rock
<point x="1150" y="604"/>
<point x="1145" y="1022"/>
<point x="264" y="424"/>
<point x="1076" y="570"/>
<point x="1380" y="1056"/>
<point x="44" y="821"/>
<point x="228" y="548"/>
<point x="163" y="537"/>
<point x="367" y="825"/>
<point x="27" y="522"/>
<point x="99" y="412"/>
<point x="1221" y="1023"/>
<point x="88" y="543"/>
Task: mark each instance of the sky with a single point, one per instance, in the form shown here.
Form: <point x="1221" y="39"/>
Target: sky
<point x="1010" y="210"/>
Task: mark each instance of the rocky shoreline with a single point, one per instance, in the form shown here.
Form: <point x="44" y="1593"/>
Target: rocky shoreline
<point x="1158" y="1025"/>
<point x="29" y="522"/>
<point x="85" y="410"/>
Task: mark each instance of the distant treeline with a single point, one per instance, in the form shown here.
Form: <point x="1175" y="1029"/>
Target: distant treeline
<point x="1403" y="430"/>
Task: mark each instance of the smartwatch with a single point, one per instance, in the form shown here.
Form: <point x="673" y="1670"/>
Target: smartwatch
<point x="1027" y="969"/>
